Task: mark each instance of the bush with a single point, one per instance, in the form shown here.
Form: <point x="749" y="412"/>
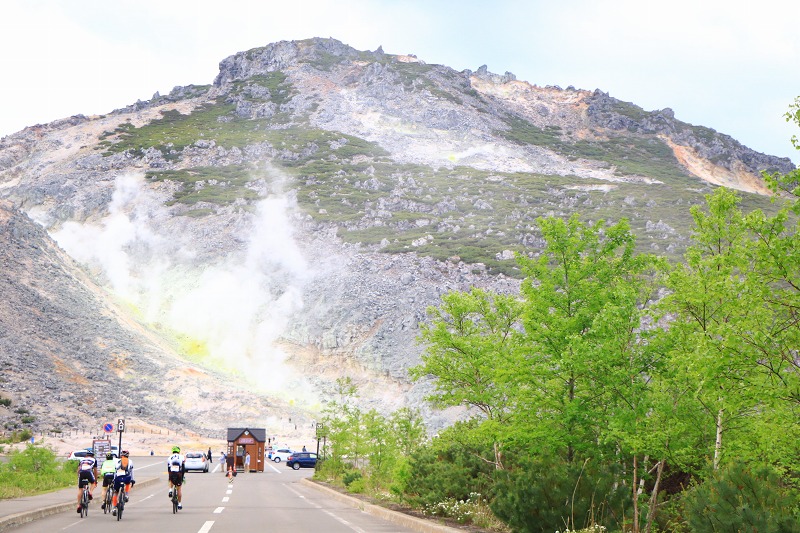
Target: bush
<point x="350" y="476"/>
<point x="741" y="498"/>
<point x="357" y="486"/>
<point x="547" y="494"/>
<point x="439" y="475"/>
<point x="32" y="470"/>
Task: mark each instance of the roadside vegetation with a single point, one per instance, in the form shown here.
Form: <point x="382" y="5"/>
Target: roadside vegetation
<point x="617" y="391"/>
<point x="34" y="470"/>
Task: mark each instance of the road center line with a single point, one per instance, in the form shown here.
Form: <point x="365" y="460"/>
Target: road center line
<point x="218" y="510"/>
<point x="206" y="527"/>
<point x="225" y="499"/>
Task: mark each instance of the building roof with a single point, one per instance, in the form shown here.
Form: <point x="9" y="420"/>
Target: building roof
<point x="259" y="434"/>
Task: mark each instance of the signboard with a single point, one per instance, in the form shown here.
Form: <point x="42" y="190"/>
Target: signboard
<point x="108" y="427"/>
<point x="121" y="425"/>
<point x="247" y="440"/>
<point x="101" y="447"/>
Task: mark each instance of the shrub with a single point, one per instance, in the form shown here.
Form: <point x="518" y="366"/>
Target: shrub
<point x="741" y="498"/>
<point x="350" y="476"/>
<point x="5" y="401"/>
<point x="452" y="473"/>
<point x="357" y="486"/>
<point x="32" y="470"/>
<point x="546" y="494"/>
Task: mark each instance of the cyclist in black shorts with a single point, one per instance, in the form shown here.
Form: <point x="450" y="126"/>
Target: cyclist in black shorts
<point x="87" y="474"/>
<point x="176" y="470"/>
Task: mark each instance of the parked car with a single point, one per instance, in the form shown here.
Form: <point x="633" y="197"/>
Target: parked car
<point x="281" y="454"/>
<point x="196" y="461"/>
<point x="78" y="454"/>
<point x="300" y="460"/>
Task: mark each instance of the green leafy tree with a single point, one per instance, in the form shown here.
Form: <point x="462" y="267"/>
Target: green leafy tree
<point x="471" y="352"/>
<point x="582" y="300"/>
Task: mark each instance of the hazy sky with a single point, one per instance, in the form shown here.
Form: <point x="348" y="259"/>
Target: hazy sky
<point x="731" y="65"/>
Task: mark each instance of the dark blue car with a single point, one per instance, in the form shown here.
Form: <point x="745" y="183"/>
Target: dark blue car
<point x="300" y="460"/>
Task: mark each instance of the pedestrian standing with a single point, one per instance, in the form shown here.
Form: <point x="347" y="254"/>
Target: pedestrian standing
<point x="209" y="455"/>
<point x="247" y="462"/>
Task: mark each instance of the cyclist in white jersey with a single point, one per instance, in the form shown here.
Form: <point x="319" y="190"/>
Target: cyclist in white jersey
<point x="175" y="472"/>
<point x="87" y="474"/>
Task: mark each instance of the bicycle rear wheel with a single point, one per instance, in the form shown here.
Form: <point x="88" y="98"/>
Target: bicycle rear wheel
<point x="85" y="503"/>
<point x="120" y="502"/>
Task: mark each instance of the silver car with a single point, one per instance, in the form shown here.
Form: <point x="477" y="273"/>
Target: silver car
<point x="196" y="461"/>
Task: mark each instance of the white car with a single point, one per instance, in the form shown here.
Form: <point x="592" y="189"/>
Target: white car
<point x="195" y="461"/>
<point x="281" y="454"/>
<point x="77" y="455"/>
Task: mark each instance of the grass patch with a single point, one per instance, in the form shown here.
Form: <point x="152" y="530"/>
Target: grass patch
<point x="34" y="470"/>
<point x="216" y="185"/>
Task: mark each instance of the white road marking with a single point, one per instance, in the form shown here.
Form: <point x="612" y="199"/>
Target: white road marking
<point x="272" y="466"/>
<point x="337" y="518"/>
<point x="206" y="527"/>
<point x="225" y="499"/>
<point x="218" y="510"/>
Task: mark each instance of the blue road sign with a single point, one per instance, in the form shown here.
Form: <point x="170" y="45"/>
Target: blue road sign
<point x="108" y="428"/>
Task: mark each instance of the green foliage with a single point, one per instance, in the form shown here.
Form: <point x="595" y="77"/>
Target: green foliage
<point x="357" y="486"/>
<point x="217" y="185"/>
<point x="5" y="402"/>
<point x="33" y="470"/>
<point x="449" y="469"/>
<point x="741" y="498"/>
<point x="544" y="494"/>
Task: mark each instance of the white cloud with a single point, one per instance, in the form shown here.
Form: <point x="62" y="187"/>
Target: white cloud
<point x="707" y="60"/>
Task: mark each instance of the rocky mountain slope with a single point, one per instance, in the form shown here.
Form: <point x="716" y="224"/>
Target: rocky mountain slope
<point x="291" y="222"/>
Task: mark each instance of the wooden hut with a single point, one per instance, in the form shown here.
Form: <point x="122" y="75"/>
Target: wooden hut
<point x="242" y="441"/>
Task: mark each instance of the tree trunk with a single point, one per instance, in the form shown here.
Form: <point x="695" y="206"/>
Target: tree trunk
<point x="718" y="443"/>
<point x="635" y="495"/>
<point x="498" y="457"/>
<point x="651" y="511"/>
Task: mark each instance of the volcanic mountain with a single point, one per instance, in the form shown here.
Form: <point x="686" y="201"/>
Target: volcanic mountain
<point x="224" y="253"/>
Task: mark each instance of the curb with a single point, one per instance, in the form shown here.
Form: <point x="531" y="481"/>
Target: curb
<point x="19" y="519"/>
<point x="402" y="519"/>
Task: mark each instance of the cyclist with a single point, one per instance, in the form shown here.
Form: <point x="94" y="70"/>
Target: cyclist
<point x="87" y="474"/>
<point x="107" y="471"/>
<point x="123" y="475"/>
<point x="175" y="472"/>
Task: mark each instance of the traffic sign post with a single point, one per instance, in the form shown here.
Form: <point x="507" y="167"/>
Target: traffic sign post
<point x="319" y="430"/>
<point x="108" y="427"/>
<point x="120" y="430"/>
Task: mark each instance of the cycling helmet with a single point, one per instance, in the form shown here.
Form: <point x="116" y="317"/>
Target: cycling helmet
<point x="109" y="456"/>
<point x="125" y="453"/>
<point x="176" y="449"/>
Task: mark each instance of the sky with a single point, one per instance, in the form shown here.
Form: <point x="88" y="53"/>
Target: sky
<point x="730" y="65"/>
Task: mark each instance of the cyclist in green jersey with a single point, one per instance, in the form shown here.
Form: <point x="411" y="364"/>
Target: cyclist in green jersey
<point x="107" y="471"/>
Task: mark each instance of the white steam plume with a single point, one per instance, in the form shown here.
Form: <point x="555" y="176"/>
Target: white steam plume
<point x="234" y="310"/>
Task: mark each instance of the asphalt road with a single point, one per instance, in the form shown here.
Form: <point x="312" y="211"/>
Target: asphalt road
<point x="273" y="500"/>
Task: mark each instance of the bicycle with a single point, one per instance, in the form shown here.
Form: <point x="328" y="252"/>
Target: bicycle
<point x="120" y="501"/>
<point x="109" y="499"/>
<point x="174" y="500"/>
<point x="85" y="500"/>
